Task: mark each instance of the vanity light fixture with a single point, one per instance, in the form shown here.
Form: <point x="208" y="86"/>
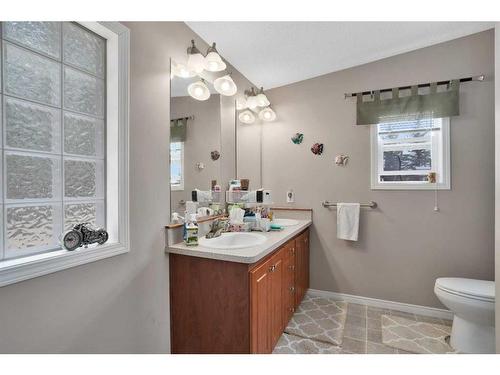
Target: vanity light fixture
<point x="267" y="114"/>
<point x="247" y="117"/>
<point x="213" y="61"/>
<point x="196" y="61"/>
<point x="199" y="90"/>
<point x="241" y="104"/>
<point x="262" y="100"/>
<point x="252" y="102"/>
<point x="225" y="85"/>
<point x="255" y="102"/>
<point x="181" y="70"/>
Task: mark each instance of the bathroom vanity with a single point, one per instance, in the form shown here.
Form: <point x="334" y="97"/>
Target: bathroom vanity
<point x="237" y="300"/>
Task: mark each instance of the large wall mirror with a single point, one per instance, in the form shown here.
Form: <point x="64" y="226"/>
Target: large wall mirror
<point x="208" y="143"/>
<point x="195" y="142"/>
<point x="249" y="152"/>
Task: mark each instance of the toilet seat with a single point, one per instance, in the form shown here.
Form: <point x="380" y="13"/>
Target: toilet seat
<point x="481" y="290"/>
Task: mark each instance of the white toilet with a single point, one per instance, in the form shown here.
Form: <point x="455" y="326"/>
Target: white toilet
<point x="473" y="305"/>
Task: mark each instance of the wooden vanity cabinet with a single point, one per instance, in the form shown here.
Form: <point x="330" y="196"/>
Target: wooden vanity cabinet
<point x="302" y="266"/>
<point x="228" y="307"/>
<point x="287" y="276"/>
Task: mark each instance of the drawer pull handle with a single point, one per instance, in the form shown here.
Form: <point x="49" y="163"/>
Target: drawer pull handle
<point x="292" y="268"/>
<point x="292" y="309"/>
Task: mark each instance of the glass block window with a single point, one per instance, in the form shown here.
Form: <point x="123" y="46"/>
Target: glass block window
<point x="52" y="117"/>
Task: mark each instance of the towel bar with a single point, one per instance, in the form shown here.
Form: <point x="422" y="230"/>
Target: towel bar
<point x="370" y="204"/>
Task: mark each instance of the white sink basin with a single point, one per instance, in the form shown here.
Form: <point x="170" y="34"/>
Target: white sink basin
<point x="233" y="240"/>
<point x="285" y="222"/>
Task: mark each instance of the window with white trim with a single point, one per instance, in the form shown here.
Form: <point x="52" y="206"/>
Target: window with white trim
<point x="177" y="165"/>
<point x="404" y="153"/>
<point x="64" y="121"/>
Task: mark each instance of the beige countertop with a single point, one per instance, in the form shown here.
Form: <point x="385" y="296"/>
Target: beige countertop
<point x="244" y="255"/>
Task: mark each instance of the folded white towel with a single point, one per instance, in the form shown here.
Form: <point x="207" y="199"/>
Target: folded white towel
<point x="348" y="221"/>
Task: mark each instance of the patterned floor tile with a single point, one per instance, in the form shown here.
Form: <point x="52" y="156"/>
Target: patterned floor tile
<point x="319" y="318"/>
<point x="327" y="326"/>
<point x="355" y="309"/>
<point x="414" y="336"/>
<point x="290" y="344"/>
<point x="355" y="332"/>
<point x="374" y="335"/>
<point x="354" y="346"/>
<point x="375" y="348"/>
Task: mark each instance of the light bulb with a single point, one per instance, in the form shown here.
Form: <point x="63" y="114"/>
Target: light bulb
<point x="241" y="103"/>
<point x="252" y="102"/>
<point x="213" y="61"/>
<point x="225" y="85"/>
<point x="246" y="117"/>
<point x="267" y="114"/>
<point x="262" y="100"/>
<point x="196" y="61"/>
<point x="199" y="90"/>
<point x="181" y="70"/>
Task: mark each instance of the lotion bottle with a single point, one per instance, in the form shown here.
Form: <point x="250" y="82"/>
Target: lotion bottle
<point x="191" y="226"/>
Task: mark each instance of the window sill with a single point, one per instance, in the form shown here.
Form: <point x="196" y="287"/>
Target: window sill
<point x="425" y="186"/>
<point x="15" y="270"/>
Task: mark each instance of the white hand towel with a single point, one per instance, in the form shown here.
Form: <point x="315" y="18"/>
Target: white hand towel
<point x="348" y="221"/>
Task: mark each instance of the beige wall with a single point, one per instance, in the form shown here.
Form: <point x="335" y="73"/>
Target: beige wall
<point x="497" y="181"/>
<point x="119" y="304"/>
<point x="404" y="245"/>
<point x="202" y="137"/>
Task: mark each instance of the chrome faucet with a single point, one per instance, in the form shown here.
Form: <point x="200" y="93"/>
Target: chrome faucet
<point x="216" y="228"/>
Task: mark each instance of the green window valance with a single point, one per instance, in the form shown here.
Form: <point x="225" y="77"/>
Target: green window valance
<point x="412" y="107"/>
<point x="178" y="129"/>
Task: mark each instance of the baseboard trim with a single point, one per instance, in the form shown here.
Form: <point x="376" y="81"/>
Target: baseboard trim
<point x="406" y="307"/>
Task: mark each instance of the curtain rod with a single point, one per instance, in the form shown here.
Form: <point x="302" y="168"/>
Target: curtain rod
<point x="465" y="79"/>
<point x="183" y="118"/>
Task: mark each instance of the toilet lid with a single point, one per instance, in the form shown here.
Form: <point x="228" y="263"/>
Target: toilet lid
<point x="468" y="287"/>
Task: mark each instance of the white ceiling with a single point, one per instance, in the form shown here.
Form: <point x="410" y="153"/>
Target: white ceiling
<point x="273" y="54"/>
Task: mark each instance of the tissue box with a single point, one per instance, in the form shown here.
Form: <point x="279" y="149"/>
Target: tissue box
<point x="244" y="227"/>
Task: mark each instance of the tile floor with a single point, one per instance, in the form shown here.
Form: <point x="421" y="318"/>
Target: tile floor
<point x="363" y="329"/>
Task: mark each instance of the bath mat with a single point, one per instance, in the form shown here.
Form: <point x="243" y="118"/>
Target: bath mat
<point x="320" y="319"/>
<point x="416" y="337"/>
<point x="291" y="344"/>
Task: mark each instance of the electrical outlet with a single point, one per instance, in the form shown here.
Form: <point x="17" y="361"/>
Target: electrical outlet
<point x="290" y="196"/>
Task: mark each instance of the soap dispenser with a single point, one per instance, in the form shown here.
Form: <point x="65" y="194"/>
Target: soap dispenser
<point x="191" y="229"/>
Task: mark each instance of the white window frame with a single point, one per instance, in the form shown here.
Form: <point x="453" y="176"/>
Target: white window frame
<point x="443" y="184"/>
<point x="117" y="169"/>
<point x="180" y="186"/>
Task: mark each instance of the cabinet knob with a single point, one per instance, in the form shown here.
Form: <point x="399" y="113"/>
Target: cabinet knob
<point x="272" y="268"/>
<point x="292" y="289"/>
<point x="292" y="309"/>
<point x="292" y="268"/>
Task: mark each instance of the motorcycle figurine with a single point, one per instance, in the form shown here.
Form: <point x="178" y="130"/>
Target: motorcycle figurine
<point x="84" y="234"/>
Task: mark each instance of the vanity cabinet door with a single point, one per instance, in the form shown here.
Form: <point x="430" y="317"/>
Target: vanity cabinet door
<point x="301" y="267"/>
<point x="260" y="316"/>
<point x="276" y="294"/>
<point x="288" y="289"/>
<point x="266" y="300"/>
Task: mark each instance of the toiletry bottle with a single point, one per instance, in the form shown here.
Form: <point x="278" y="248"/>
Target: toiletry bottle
<point x="192" y="231"/>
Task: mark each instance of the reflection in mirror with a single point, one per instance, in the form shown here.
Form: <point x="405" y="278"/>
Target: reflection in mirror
<point x="195" y="144"/>
<point x="249" y="152"/>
